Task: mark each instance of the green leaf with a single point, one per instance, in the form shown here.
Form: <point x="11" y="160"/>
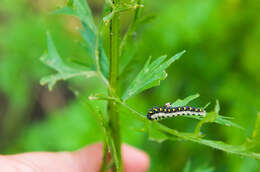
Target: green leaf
<point x="90" y="39"/>
<point x="84" y="13"/>
<point x="53" y="60"/>
<point x="210" y="117"/>
<point x="207" y="105"/>
<point x="108" y="17"/>
<point x="239" y="150"/>
<point x="150" y="75"/>
<point x="221" y="120"/>
<point x="79" y="9"/>
<point x="214" y="117"/>
<point x="185" y="101"/>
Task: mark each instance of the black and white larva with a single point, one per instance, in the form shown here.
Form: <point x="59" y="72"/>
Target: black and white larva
<point x="157" y="113"/>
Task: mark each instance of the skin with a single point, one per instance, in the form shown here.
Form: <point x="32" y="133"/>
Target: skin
<point x="88" y="159"/>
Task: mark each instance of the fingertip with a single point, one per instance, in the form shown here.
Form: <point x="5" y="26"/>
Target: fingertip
<point x="86" y="159"/>
<point x="135" y="159"/>
<point x="90" y="157"/>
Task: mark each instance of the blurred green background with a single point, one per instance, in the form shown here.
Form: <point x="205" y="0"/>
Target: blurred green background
<point x="222" y="39"/>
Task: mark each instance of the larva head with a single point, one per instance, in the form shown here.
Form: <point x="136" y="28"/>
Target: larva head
<point x="152" y="111"/>
<point x="149" y="114"/>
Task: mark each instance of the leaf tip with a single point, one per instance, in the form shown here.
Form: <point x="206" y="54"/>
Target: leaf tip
<point x="182" y="52"/>
<point x="217" y="107"/>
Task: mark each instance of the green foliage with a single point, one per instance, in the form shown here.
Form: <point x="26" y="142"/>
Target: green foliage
<point x="80" y="9"/>
<point x="185" y="101"/>
<point x="89" y="32"/>
<point x="222" y="64"/>
<point x="53" y="60"/>
<point x="158" y="131"/>
<point x="150" y="75"/>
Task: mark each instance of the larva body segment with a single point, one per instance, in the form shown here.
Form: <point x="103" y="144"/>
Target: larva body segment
<point x="157" y="113"/>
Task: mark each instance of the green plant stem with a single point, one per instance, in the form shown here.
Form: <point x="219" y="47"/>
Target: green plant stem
<point x="104" y="158"/>
<point x="113" y="76"/>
